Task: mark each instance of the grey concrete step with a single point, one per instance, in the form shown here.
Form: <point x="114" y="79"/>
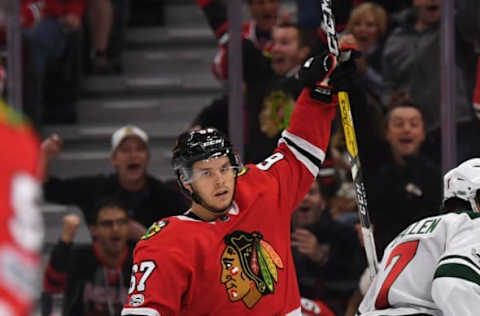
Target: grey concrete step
<point x="158" y="84"/>
<point x="177" y="108"/>
<point x="101" y="132"/>
<point x="161" y="37"/>
<point x="169" y="61"/>
<point x="187" y="12"/>
<point x="184" y="13"/>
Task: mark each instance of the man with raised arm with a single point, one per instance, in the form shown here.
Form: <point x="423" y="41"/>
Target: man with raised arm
<point x="230" y="254"/>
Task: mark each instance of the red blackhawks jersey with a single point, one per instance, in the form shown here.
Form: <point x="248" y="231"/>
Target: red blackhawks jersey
<point x="240" y="263"/>
<point x="216" y="15"/>
<point x="33" y="11"/>
<point x="314" y="308"/>
<point x="21" y="230"/>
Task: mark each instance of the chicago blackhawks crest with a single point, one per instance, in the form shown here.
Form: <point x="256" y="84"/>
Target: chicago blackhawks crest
<point x="154" y="229"/>
<point x="249" y="267"/>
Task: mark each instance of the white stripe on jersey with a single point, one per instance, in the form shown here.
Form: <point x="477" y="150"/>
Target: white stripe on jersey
<point x="306" y="162"/>
<point x="142" y="311"/>
<point x="308" y="147"/>
<point x="5" y="308"/>
<point x="305" y="145"/>
<point x="295" y="312"/>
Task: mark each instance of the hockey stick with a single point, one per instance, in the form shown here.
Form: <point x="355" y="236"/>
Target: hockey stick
<point x="328" y="24"/>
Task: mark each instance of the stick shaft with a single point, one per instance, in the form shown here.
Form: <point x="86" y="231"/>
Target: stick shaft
<point x="328" y="24"/>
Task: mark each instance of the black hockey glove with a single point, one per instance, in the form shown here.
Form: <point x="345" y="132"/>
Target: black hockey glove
<point x="323" y="74"/>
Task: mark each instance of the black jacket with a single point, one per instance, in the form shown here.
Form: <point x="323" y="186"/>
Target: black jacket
<point x="155" y="201"/>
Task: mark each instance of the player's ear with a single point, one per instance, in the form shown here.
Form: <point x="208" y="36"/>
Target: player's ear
<point x="184" y="184"/>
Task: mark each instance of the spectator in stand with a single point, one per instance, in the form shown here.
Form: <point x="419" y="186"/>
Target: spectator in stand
<point x="46" y="42"/>
<point x="31" y="13"/>
<point x="411" y="64"/>
<point x="107" y="22"/>
<point x="100" y="20"/>
<point x="403" y="184"/>
<point x="467" y="13"/>
<point x="258" y="30"/>
<point x="272" y="89"/>
<point x="271" y="96"/>
<point x="310" y="13"/>
<point x="366" y="27"/>
<point x="94" y="278"/>
<point x="327" y="254"/>
<point x="146" y="198"/>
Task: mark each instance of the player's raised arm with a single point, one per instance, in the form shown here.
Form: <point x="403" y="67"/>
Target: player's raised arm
<point x="304" y="143"/>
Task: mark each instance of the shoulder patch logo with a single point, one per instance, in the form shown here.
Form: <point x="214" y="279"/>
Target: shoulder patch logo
<point x="476" y="254"/>
<point x="154" y="229"/>
<point x="249" y="267"/>
<point x="242" y="171"/>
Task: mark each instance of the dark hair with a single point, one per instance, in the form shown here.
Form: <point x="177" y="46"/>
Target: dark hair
<point x="106" y="202"/>
<point x="306" y="36"/>
<point x="455" y="204"/>
<point x="400" y="99"/>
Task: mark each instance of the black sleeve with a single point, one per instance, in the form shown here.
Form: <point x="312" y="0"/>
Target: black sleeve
<point x="256" y="66"/>
<point x="214" y="115"/>
<point x="216" y="15"/>
<point x="75" y="190"/>
<point x="367" y="120"/>
<point x="56" y="271"/>
<point x="60" y="256"/>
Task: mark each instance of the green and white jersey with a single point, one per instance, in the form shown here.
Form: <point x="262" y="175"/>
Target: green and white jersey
<point x="431" y="268"/>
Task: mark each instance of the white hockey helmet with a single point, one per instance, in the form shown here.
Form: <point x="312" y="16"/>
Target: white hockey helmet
<point x="463" y="182"/>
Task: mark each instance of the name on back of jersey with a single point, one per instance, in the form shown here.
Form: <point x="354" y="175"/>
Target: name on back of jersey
<point x="423" y="227"/>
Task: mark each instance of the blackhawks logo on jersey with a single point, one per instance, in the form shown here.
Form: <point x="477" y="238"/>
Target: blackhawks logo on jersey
<point x="249" y="267"/>
<point x="154" y="229"/>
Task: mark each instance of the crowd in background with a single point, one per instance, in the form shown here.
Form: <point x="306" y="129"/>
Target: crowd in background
<point x="395" y="103"/>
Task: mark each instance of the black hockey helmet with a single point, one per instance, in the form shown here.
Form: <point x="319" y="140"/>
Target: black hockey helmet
<point x="199" y="145"/>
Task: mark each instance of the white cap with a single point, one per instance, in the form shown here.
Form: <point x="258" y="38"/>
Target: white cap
<point x="126" y="131"/>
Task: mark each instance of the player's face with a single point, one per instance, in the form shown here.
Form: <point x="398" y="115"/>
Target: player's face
<point x="312" y="205"/>
<point x="264" y="13"/>
<point x="238" y="285"/>
<point x="214" y="182"/>
<point x="111" y="230"/>
<point x="286" y="51"/>
<point x="405" y="131"/>
<point x="365" y="30"/>
<point x="130" y="159"/>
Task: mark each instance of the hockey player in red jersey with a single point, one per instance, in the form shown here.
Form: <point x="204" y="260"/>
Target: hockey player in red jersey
<point x="21" y="230"/>
<point x="314" y="308"/>
<point x="230" y="254"/>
